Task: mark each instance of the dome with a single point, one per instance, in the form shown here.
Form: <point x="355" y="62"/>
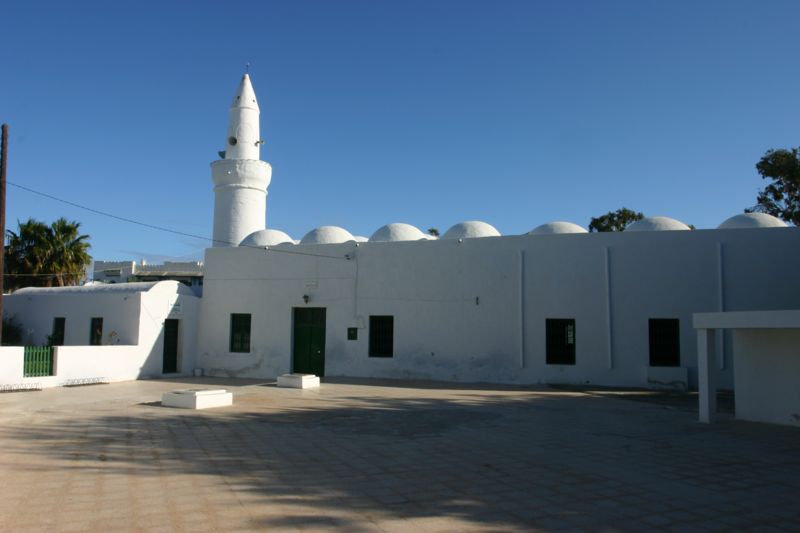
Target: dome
<point x="266" y="237"/>
<point x="360" y="238"/>
<point x="657" y="224"/>
<point x="558" y="227"/>
<point x="397" y="231"/>
<point x="752" y="220"/>
<point x="470" y="230"/>
<point x="327" y="235"/>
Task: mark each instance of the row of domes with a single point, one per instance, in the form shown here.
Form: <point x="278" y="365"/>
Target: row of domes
<point x="472" y="229"/>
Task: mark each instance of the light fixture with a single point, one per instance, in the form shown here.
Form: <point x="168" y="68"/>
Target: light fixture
<point x="305" y="298"/>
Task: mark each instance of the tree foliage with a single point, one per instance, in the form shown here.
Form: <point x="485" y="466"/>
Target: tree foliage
<point x="781" y="198"/>
<point x="38" y="255"/>
<point x="614" y="220"/>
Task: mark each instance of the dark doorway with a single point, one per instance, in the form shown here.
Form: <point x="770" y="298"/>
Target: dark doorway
<point x="309" y="341"/>
<point x="170" y="346"/>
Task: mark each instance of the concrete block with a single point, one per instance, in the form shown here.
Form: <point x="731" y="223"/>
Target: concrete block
<point x="298" y="381"/>
<point x="197" y="398"/>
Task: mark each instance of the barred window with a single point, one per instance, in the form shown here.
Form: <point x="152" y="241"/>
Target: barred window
<point x="240" y="333"/>
<point x="560" y="341"/>
<point x="381" y="336"/>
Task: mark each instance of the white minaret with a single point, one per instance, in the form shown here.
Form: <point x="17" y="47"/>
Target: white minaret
<point x="240" y="178"/>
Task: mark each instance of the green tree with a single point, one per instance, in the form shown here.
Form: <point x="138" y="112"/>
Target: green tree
<point x="38" y="255"/>
<point x="781" y="198"/>
<point x="69" y="252"/>
<point x="614" y="220"/>
<point x="433" y="231"/>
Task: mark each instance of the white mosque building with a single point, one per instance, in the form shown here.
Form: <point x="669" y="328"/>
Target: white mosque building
<point x="555" y="305"/>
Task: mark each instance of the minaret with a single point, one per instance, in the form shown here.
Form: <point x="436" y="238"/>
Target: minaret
<point x="240" y="178"/>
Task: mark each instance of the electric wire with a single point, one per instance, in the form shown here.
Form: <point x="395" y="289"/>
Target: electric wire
<point x="169" y="230"/>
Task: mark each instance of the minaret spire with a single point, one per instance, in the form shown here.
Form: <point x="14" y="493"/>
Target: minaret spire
<point x="241" y="178"/>
<point x="243" y="138"/>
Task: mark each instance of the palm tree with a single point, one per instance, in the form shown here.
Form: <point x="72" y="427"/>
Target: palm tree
<point x="69" y="252"/>
<point x="39" y="255"/>
<point x="26" y="254"/>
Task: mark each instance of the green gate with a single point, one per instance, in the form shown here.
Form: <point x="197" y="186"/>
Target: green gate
<point x="38" y="361"/>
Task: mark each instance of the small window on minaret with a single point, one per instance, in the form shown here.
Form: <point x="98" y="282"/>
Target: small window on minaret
<point x="232" y="141"/>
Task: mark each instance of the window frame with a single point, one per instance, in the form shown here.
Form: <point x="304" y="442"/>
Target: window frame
<point x="560" y="341"/>
<point x="95" y="333"/>
<point x="381" y="335"/>
<point x="239" y="341"/>
<point x="60" y="328"/>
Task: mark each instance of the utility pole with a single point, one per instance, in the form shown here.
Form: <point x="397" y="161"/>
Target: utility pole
<point x="3" y="162"/>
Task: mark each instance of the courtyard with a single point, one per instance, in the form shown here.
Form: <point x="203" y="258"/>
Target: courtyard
<point x="374" y="455"/>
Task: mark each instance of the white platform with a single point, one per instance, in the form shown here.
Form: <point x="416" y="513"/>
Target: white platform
<point x="298" y="381"/>
<point x="197" y="398"/>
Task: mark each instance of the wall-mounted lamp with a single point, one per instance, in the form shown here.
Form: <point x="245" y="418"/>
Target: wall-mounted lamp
<point x="305" y="298"/>
<point x="477" y="300"/>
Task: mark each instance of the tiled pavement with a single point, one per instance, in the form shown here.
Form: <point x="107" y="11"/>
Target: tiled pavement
<point x="386" y="456"/>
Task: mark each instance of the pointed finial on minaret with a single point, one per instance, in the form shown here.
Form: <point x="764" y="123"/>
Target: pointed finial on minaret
<point x="247" y="68"/>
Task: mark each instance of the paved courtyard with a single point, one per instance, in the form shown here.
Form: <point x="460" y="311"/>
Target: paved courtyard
<point x="387" y="456"/>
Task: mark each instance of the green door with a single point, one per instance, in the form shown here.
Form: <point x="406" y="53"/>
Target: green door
<point x="309" y="341"/>
<point x="170" y="346"/>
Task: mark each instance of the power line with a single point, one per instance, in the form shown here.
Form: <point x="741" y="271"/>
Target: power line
<point x="169" y="230"/>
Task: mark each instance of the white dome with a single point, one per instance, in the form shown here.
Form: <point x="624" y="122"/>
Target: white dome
<point x="552" y="228"/>
<point x="397" y="231"/>
<point x="753" y="220"/>
<point x="327" y="235"/>
<point x="360" y="238"/>
<point x="470" y="230"/>
<point x="657" y="224"/>
<point x="266" y="237"/>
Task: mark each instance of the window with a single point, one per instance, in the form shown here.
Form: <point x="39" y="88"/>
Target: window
<point x="560" y="340"/>
<point x="665" y="342"/>
<point x="240" y="333"/>
<point x="96" y="331"/>
<point x="381" y="336"/>
<point x="57" y="337"/>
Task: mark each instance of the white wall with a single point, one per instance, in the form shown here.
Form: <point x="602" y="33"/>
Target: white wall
<point x="440" y="333"/>
<point x="36" y="311"/>
<point x="768" y="375"/>
<point x="11" y="365"/>
<point x="82" y="364"/>
<point x="174" y="300"/>
<point x="136" y="315"/>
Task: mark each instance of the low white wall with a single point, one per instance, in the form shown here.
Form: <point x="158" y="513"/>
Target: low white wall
<point x="81" y="364"/>
<point x="11" y="362"/>
<point x="767" y="376"/>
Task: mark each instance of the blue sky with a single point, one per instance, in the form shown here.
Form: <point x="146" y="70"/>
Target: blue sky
<point x="426" y="112"/>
